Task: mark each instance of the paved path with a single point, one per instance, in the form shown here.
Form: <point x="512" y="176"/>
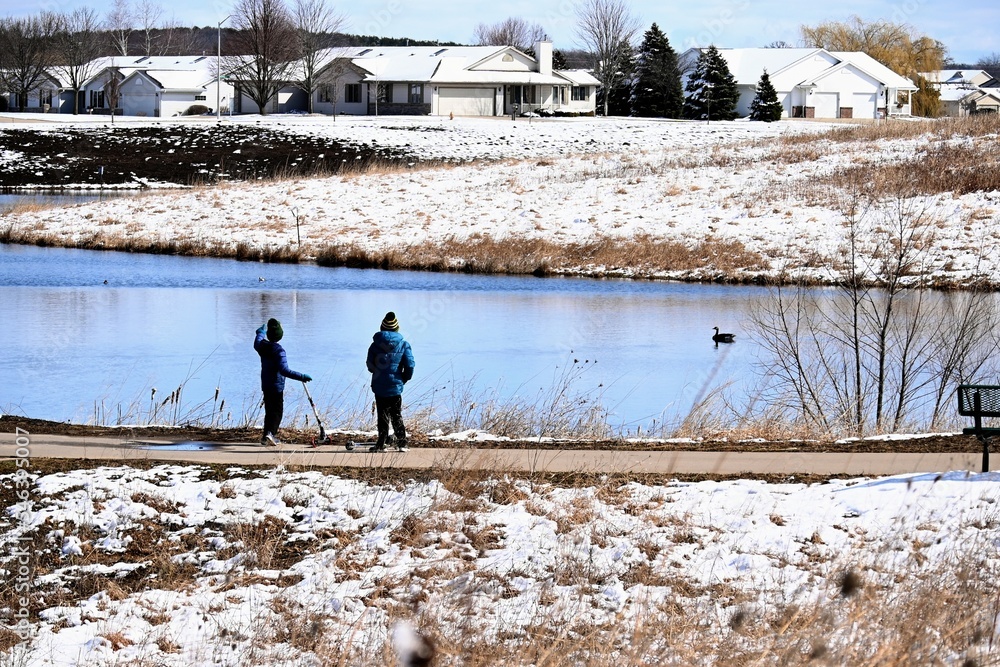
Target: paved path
<point x="513" y="460"/>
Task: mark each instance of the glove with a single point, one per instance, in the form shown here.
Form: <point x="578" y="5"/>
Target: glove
<point x="262" y="329"/>
<point x="306" y="378"/>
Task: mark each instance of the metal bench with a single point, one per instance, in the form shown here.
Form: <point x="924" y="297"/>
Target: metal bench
<point x="979" y="401"/>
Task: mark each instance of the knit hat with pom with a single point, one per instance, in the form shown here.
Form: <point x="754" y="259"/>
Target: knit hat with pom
<point x="389" y="322"/>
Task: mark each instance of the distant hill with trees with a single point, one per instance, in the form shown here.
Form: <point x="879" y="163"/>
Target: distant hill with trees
<point x="181" y="41"/>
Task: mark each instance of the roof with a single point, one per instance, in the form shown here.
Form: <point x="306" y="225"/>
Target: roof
<point x="579" y="77"/>
<point x="177" y="72"/>
<point x="957" y="76"/>
<point x="176" y="80"/>
<point x="454" y="65"/>
<point x="416" y="63"/>
<point x="867" y="64"/>
<point x="747" y="65"/>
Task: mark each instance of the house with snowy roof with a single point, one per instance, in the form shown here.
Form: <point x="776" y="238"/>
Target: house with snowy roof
<point x="442" y="80"/>
<point x="46" y="96"/>
<point x="816" y="83"/>
<point x="154" y="85"/>
<point x="965" y="92"/>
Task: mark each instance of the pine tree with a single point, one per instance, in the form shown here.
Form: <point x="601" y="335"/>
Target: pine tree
<point x="711" y="89"/>
<point x="620" y="94"/>
<point x="765" y="105"/>
<point x="558" y="60"/>
<point x="658" y="92"/>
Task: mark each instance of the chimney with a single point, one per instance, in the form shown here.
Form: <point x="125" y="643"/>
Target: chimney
<point x="543" y="54"/>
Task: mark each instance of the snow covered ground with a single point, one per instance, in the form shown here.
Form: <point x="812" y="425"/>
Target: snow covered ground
<point x="564" y="181"/>
<point x="177" y="565"/>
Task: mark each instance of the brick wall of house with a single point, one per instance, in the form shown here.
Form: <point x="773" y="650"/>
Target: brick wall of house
<point x="399" y="109"/>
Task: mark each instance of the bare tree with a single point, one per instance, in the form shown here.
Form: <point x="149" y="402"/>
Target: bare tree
<point x="26" y="53"/>
<point x="112" y="87"/>
<point x="865" y="358"/>
<point x="264" y="35"/>
<point x="148" y="14"/>
<point x="120" y="23"/>
<point x="990" y="64"/>
<point x="315" y="21"/>
<point x="606" y="29"/>
<point x="330" y="75"/>
<point x="512" y="31"/>
<point x="78" y="43"/>
<point x="174" y="38"/>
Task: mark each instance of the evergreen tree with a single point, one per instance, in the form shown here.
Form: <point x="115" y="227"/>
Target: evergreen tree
<point x="620" y="93"/>
<point x="765" y="105"/>
<point x="711" y="89"/>
<point x="558" y="60"/>
<point x="658" y="92"/>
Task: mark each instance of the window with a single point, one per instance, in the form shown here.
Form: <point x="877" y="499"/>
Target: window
<point x="200" y="98"/>
<point x="416" y="93"/>
<point x="384" y="94"/>
<point x="507" y="58"/>
<point x="579" y="93"/>
<point x="45" y="97"/>
<point x="97" y="99"/>
<point x="323" y="94"/>
<point x="555" y="94"/>
<point x="352" y="93"/>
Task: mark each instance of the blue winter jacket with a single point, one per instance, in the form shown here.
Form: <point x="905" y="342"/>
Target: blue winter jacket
<point x="390" y="361"/>
<point x="273" y="364"/>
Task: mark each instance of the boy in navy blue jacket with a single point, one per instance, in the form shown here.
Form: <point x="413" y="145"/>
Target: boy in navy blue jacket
<point x="273" y="371"/>
<point x="390" y="361"/>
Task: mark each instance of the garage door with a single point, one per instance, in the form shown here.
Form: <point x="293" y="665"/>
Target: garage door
<point x="466" y="101"/>
<point x="826" y="105"/>
<point x="138" y="105"/>
<point x="864" y="105"/>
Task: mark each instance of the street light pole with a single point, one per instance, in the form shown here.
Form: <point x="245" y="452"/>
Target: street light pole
<point x="218" y="74"/>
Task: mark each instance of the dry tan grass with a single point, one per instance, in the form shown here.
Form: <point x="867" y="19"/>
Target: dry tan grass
<point x="886" y="613"/>
<point x="638" y="256"/>
<point x="26" y="207"/>
<point x="941" y="128"/>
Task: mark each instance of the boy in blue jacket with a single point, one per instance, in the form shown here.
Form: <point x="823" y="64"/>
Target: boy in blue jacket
<point x="390" y="361"/>
<point x="273" y="371"/>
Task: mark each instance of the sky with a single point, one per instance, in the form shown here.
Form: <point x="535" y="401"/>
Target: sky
<point x="968" y="33"/>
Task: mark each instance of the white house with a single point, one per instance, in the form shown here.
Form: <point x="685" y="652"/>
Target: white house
<point x="816" y="83"/>
<point x="439" y="80"/>
<point x="965" y="92"/>
<point x="45" y="97"/>
<point x="155" y="85"/>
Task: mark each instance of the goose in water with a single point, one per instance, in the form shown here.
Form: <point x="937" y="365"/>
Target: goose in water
<point x="723" y="337"/>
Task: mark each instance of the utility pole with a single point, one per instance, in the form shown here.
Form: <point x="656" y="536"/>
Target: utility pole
<point x="218" y="74"/>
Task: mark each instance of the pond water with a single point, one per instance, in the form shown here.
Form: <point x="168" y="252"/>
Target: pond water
<point x="9" y="200"/>
<point x="90" y="334"/>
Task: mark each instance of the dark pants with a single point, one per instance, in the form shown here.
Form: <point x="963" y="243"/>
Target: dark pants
<point x="390" y="408"/>
<point x="274" y="407"/>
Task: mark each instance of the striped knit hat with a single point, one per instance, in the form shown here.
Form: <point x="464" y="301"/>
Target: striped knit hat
<point x="389" y="322"/>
